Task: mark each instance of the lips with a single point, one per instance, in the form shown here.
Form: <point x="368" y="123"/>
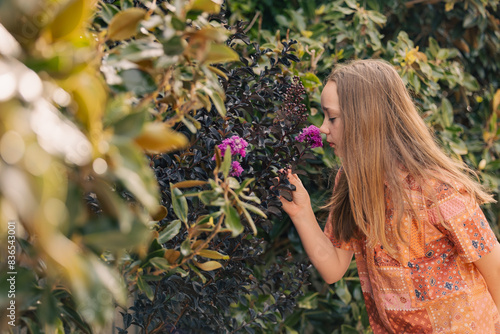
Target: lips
<point x="331" y="144"/>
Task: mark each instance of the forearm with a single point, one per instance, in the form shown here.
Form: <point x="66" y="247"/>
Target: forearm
<point x="330" y="262"/>
<point x="493" y="282"/>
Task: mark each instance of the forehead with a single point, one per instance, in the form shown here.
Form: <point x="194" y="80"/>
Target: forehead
<point x="330" y="98"/>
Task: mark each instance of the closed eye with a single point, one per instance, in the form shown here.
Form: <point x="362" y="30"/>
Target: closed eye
<point x="332" y="119"/>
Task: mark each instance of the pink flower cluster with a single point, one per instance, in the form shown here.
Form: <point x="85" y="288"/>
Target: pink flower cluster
<point x="311" y="136"/>
<point x="237" y="145"/>
<point x="236" y="169"/>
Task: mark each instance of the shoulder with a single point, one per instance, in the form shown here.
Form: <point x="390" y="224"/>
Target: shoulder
<point x="442" y="189"/>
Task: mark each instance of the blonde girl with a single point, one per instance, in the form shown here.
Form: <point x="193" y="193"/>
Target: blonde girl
<point x="427" y="258"/>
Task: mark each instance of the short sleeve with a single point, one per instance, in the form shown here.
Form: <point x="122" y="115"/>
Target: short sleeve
<point x="459" y="217"/>
<point x="329" y="225"/>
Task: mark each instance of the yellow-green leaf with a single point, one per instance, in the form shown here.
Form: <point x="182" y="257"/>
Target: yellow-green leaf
<point x="208" y="6"/>
<point x="217" y="71"/>
<point x="189" y="184"/>
<point x="158" y="138"/>
<point x="496" y="102"/>
<point x="172" y="255"/>
<point x="124" y="24"/>
<point x="220" y="53"/>
<point x="213" y="255"/>
<point x="70" y="19"/>
<point x="160" y="263"/>
<point x="208" y="266"/>
<point x="160" y="213"/>
<point x="226" y="163"/>
<point x="217" y="101"/>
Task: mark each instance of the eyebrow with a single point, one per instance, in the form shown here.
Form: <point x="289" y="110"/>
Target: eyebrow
<point x="330" y="110"/>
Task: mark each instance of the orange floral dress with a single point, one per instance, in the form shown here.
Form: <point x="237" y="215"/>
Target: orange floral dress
<point x="432" y="285"/>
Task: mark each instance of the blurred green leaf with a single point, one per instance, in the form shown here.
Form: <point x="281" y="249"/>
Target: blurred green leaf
<point x="137" y="81"/>
<point x="226" y="163"/>
<point x="145" y="287"/>
<point x="124" y="24"/>
<point x="342" y="291"/>
<point x="160" y="263"/>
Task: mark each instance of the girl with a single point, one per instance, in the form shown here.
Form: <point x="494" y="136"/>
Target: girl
<point x="427" y="258"/>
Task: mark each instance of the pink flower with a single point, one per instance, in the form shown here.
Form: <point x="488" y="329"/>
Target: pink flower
<point x="311" y="136"/>
<point x="237" y="144"/>
<point x="236" y="169"/>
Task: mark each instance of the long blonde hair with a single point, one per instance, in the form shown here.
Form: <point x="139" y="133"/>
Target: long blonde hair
<point x="383" y="133"/>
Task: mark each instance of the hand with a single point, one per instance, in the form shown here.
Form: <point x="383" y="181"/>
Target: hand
<point x="301" y="201"/>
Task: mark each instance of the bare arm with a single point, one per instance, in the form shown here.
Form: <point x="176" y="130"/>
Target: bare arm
<point x="331" y="262"/>
<point x="489" y="267"/>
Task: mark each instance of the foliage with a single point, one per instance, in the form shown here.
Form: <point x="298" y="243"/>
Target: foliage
<point x="206" y="248"/>
<point x="261" y="108"/>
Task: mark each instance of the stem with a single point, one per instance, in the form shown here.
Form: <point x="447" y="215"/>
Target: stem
<point x="252" y="23"/>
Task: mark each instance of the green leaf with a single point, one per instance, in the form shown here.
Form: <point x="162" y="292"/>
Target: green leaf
<point x="50" y="310"/>
<point x="32" y="326"/>
<point x="197" y="271"/>
<point x="233" y="183"/>
<point x="186" y="248"/>
<point x="130" y="125"/>
<point x="250" y="221"/>
<point x="124" y="24"/>
<point x="310" y="80"/>
<point x="138" y="50"/>
<point x="137" y="81"/>
<point x="446" y="112"/>
<point x="346" y="329"/>
<point x="145" y="287"/>
<point x="309" y="301"/>
<point x="226" y="163"/>
<point x="160" y="263"/>
<point x="254" y="209"/>
<point x="211" y="254"/>
<point x="207" y="6"/>
<point x="220" y="53"/>
<point x="157" y="138"/>
<point x="244" y="184"/>
<point x="174" y="46"/>
<point x="69" y="19"/>
<point x="159" y="213"/>
<point x="171" y="231"/>
<point x="189" y="184"/>
<point x="343" y="292"/>
<point x="179" y="203"/>
<point x="208" y="266"/>
<point x="459" y="147"/>
<point x="232" y="220"/>
<point x="470" y="82"/>
<point x="217" y="101"/>
<point x="108" y="11"/>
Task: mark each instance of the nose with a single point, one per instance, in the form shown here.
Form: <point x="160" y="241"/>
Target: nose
<point x="324" y="128"/>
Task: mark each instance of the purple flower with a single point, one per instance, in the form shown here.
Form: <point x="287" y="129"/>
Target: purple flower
<point x="311" y="136"/>
<point x="236" y="169"/>
<point x="237" y="145"/>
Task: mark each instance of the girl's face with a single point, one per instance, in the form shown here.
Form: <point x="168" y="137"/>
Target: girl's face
<point x="332" y="124"/>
